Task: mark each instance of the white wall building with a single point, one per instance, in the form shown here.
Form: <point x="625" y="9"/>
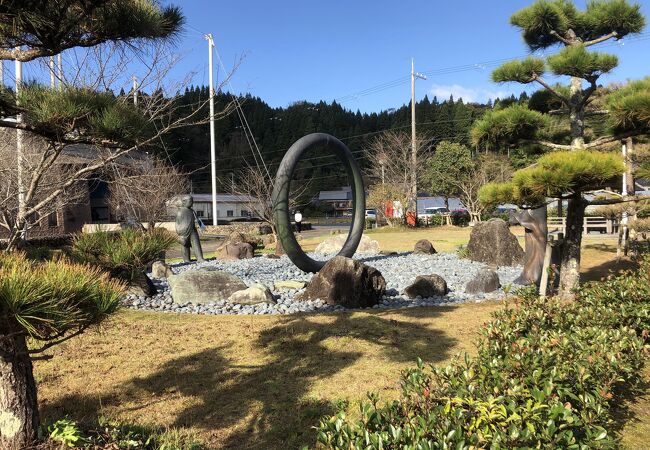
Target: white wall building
<point x="229" y="207"/>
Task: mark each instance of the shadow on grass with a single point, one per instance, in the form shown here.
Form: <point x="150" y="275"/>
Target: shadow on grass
<point x="272" y="405"/>
<point x="611" y="267"/>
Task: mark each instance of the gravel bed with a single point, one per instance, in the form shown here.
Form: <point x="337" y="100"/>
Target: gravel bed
<point x="399" y="271"/>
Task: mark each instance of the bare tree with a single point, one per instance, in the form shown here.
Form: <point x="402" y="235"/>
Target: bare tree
<point x="140" y="190"/>
<point x="95" y="138"/>
<point x="486" y="169"/>
<point x="391" y="164"/>
<point x="255" y="185"/>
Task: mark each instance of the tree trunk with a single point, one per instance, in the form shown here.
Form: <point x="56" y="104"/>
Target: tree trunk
<point x="570" y="253"/>
<point x="19" y="418"/>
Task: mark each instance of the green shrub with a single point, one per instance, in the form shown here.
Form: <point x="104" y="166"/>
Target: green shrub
<point x="124" y="254"/>
<point x="545" y="376"/>
<point x="109" y="434"/>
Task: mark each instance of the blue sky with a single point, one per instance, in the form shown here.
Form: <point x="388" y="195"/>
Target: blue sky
<point x="307" y="50"/>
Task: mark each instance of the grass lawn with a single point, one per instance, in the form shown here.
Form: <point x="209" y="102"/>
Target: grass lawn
<point x="261" y="382"/>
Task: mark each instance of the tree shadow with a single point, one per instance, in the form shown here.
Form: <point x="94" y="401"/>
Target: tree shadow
<point x="611" y="267"/>
<point x="275" y="402"/>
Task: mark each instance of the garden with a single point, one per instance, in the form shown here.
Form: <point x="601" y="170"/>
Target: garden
<point x="502" y="322"/>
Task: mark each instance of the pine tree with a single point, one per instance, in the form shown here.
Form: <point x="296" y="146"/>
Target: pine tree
<point x="53" y="302"/>
<point x="578" y="163"/>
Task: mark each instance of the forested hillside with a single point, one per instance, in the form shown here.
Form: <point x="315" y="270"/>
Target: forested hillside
<point x="275" y="129"/>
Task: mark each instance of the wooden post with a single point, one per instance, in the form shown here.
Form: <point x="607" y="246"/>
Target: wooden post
<point x="543" y="284"/>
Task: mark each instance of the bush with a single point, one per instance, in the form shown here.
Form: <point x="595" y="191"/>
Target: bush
<point x="545" y="376"/>
<point x="124" y="254"/>
<point x="460" y="218"/>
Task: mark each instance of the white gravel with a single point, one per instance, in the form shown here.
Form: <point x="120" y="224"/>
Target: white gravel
<point x="399" y="271"/>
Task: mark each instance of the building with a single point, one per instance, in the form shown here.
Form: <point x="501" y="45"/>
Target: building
<point x="229" y="207"/>
<point x="339" y="201"/>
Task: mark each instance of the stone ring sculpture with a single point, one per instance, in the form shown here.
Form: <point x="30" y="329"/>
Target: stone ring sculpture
<point x="281" y="191"/>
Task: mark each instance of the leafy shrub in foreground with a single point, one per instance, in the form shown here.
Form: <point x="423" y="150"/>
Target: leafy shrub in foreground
<point x="545" y="376"/>
<point x="124" y="254"/>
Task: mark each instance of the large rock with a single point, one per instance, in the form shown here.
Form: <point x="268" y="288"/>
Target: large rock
<point x="344" y="281"/>
<point x="426" y="286"/>
<point x="486" y="280"/>
<point x="257" y="293"/>
<point x="335" y="243"/>
<point x="492" y="243"/>
<point x="160" y="270"/>
<point x="141" y="285"/>
<point x="424" y="247"/>
<point x="237" y="237"/>
<point x="233" y="251"/>
<point x="204" y="285"/>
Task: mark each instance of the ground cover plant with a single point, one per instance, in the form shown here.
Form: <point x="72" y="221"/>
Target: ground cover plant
<point x="124" y="254"/>
<point x="546" y="375"/>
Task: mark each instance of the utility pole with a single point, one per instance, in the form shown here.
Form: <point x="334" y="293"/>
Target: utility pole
<point x="60" y="64"/>
<point x="213" y="158"/>
<point x="135" y="90"/>
<point x="2" y="74"/>
<point x="414" y="150"/>
<point x="19" y="154"/>
<point x="52" y="73"/>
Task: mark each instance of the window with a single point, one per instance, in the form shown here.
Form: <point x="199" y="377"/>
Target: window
<point x="52" y="220"/>
<point x="230" y="213"/>
<point x="199" y="213"/>
<point x="245" y="213"/>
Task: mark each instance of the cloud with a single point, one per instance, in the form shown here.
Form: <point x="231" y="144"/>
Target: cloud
<point x="469" y="95"/>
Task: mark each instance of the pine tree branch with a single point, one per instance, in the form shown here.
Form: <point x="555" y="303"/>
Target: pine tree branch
<point x="54" y="342"/>
<point x="613" y="138"/>
<point x="613" y="34"/>
<point x="549" y="88"/>
<point x="552" y="145"/>
<point x="561" y="38"/>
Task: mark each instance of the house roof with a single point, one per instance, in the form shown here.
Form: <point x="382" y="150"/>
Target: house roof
<point x="335" y="195"/>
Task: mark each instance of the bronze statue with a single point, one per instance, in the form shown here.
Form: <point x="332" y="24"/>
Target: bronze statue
<point x="534" y="221"/>
<point x="186" y="229"/>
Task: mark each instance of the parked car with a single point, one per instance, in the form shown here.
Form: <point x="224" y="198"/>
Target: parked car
<point x="431" y="211"/>
<point x="371" y="214"/>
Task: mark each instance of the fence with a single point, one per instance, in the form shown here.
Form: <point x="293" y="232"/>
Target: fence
<point x="600" y="224"/>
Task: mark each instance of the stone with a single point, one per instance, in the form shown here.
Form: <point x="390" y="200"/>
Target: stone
<point x="238" y="237"/>
<point x="426" y="286"/>
<point x="161" y="270"/>
<point x="485" y="281"/>
<point x="268" y="239"/>
<point x="203" y="286"/>
<point x="234" y="251"/>
<point x="346" y="282"/>
<point x="284" y="285"/>
<point x="141" y="285"/>
<point x="257" y="293"/>
<point x="492" y="243"/>
<point x="335" y="243"/>
<point x="271" y="256"/>
<point x="424" y="247"/>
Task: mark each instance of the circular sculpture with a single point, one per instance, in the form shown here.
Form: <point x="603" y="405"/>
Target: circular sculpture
<point x="281" y="198"/>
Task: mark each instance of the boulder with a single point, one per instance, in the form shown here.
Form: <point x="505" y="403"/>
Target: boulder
<point x="271" y="256"/>
<point x="335" y="243"/>
<point x="492" y="243"/>
<point x="257" y="293"/>
<point x="427" y="286"/>
<point x="486" y="280"/>
<point x="141" y="285"/>
<point x="424" y="247"/>
<point x="233" y="251"/>
<point x="204" y="285"/>
<point x="284" y="285"/>
<point x="161" y="270"/>
<point x="268" y="239"/>
<point x="237" y="237"/>
<point x="347" y="282"/>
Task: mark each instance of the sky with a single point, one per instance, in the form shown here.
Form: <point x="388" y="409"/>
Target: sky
<point x="359" y="52"/>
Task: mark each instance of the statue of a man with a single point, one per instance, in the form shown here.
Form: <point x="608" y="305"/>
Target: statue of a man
<point x="186" y="229"/>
